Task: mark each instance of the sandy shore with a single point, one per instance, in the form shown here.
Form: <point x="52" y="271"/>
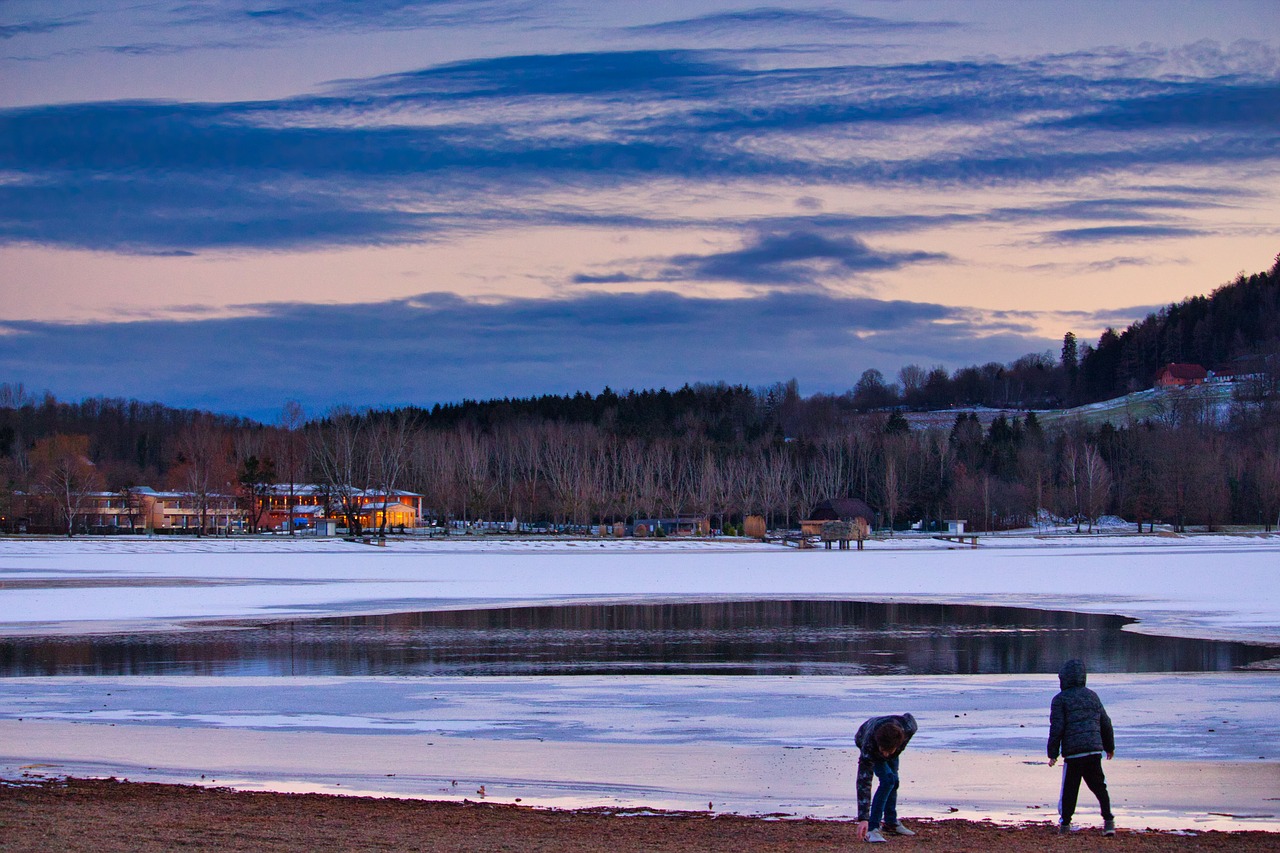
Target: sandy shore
<point x="1198" y="751"/>
<point x="106" y="815"/>
<point x="750" y="780"/>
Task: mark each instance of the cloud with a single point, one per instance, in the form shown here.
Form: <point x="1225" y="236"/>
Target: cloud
<point x="657" y="72"/>
<point x="39" y="26"/>
<point x="774" y="18"/>
<point x="439" y="348"/>
<point x="1211" y="104"/>
<point x="1107" y="233"/>
<point x="779" y="260"/>
<point x="1089" y="267"/>
<point x="150" y="216"/>
<point x="793" y="259"/>
<point x="492" y="143"/>
<point x="365" y="15"/>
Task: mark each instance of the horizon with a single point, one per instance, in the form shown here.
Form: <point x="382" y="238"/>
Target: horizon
<point x="226" y="206"/>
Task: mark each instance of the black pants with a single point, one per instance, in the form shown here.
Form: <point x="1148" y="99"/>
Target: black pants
<point x="1088" y="768"/>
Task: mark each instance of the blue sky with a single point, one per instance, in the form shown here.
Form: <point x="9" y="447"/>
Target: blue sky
<point x="231" y="204"/>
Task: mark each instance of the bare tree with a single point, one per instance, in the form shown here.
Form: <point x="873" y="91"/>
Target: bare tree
<point x="822" y="477"/>
<point x="628" y="484"/>
<point x="1266" y="471"/>
<point x="472" y="457"/>
<point x="63" y="469"/>
<point x="205" y="471"/>
<point x="527" y="460"/>
<point x="290" y="453"/>
<point x="1072" y="486"/>
<point x="389" y="456"/>
<point x="134" y="505"/>
<point x="433" y="473"/>
<point x="506" y="474"/>
<point x="891" y="485"/>
<point x="912" y="378"/>
<point x="1095" y="484"/>
<point x="340" y="452"/>
<point x="706" y="485"/>
<point x="776" y="480"/>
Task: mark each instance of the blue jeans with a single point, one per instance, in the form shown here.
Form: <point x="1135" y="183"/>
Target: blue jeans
<point x="884" y="805"/>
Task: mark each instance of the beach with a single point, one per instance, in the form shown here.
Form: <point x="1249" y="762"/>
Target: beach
<point x="84" y="815"/>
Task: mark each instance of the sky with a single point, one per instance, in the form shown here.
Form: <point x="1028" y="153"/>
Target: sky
<point x="233" y="204"/>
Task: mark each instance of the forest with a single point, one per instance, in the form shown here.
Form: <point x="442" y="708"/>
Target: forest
<point x="727" y="451"/>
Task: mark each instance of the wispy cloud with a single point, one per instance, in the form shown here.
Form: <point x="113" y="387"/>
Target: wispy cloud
<point x="1096" y="266"/>
<point x="776" y="17"/>
<point x="364" y="15"/>
<point x="409" y="156"/>
<point x="787" y="260"/>
<point x="1106" y="233"/>
<point x="1210" y="104"/>
<point x="39" y="26"/>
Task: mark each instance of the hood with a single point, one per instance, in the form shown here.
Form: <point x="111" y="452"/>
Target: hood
<point x="1072" y="674"/>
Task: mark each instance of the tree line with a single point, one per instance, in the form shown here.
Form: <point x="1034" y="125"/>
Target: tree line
<point x="717" y="450"/>
<point x="1182" y="471"/>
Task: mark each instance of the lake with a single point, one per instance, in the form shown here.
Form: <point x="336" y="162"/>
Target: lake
<point x="796" y="637"/>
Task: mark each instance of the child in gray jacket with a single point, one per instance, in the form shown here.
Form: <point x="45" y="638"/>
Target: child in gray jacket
<point x="1080" y="728"/>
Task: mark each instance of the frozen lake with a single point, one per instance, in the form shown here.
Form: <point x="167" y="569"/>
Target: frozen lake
<point x="398" y="645"/>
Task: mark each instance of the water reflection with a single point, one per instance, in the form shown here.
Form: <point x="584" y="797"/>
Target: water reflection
<point x="733" y="638"/>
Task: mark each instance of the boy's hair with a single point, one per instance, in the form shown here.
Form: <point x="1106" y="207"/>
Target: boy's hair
<point x="889" y="737"/>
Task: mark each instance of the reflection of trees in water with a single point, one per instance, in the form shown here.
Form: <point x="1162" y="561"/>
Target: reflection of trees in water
<point x="752" y="637"/>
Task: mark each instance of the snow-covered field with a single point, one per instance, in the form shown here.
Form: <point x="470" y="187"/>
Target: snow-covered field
<point x="1189" y="744"/>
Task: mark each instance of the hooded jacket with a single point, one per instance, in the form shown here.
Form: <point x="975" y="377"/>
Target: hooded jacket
<point x="869" y="753"/>
<point x="1078" y="724"/>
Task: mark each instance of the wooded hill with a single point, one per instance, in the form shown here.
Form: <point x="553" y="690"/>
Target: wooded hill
<point x="1233" y="323"/>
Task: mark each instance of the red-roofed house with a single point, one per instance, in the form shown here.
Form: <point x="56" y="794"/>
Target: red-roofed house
<point x="1174" y="375"/>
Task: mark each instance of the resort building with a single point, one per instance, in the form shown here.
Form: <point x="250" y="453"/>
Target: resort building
<point x="144" y="509"/>
<point x="305" y="503"/>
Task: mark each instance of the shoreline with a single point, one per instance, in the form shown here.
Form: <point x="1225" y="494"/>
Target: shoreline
<point x="108" y="815"/>
<point x="809" y="775"/>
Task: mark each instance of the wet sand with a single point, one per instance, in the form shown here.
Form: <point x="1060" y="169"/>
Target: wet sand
<point x="796" y="782"/>
<point x="103" y="816"/>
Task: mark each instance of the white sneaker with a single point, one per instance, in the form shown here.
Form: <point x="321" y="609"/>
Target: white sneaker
<point x="900" y="828"/>
<point x="875" y="837"/>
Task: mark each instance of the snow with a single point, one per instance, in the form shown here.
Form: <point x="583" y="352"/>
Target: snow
<point x="751" y="744"/>
<point x="1211" y="586"/>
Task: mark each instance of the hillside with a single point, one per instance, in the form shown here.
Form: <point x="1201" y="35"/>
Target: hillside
<point x="1238" y="320"/>
<point x="1211" y="403"/>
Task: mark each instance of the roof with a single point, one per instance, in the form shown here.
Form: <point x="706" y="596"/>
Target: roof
<point x="842" y="509"/>
<point x="319" y="489"/>
<point x="1185" y="371"/>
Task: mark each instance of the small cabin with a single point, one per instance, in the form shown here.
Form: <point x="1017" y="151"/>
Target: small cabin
<point x="849" y="510"/>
